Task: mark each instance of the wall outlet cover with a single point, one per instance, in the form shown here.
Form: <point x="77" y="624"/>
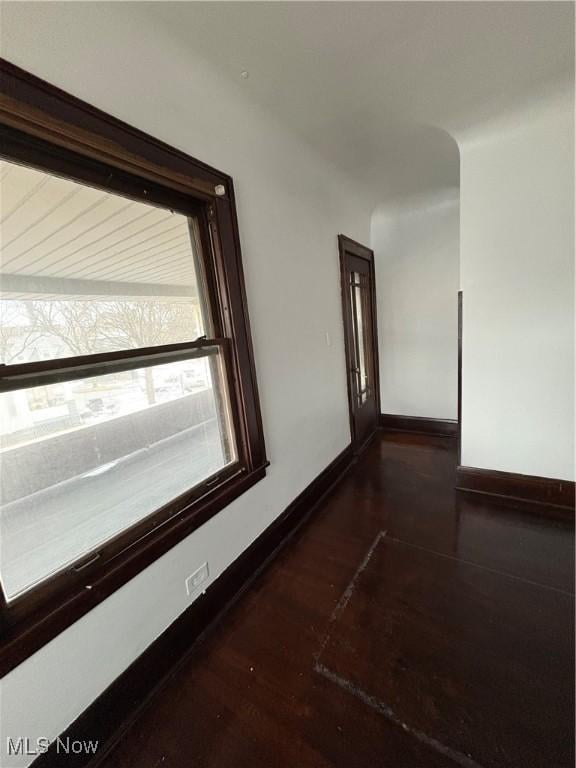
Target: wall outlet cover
<point x="196" y="579"/>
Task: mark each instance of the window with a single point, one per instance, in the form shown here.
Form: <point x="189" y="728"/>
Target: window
<point x="128" y="405"/>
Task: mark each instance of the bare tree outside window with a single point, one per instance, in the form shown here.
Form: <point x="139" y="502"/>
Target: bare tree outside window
<point x="17" y="333"/>
<point x="88" y="327"/>
<point x="73" y="322"/>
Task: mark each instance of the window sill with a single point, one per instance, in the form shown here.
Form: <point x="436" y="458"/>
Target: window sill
<point x="25" y="637"/>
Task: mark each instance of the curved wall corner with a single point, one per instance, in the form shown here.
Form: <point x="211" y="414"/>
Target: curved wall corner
<point x="417" y="265"/>
<point x="517" y="277"/>
<point x="416" y="247"/>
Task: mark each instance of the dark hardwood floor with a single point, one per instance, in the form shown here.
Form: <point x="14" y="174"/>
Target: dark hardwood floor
<point x="405" y="626"/>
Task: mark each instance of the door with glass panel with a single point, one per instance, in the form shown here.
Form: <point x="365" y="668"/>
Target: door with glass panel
<point x="360" y="336"/>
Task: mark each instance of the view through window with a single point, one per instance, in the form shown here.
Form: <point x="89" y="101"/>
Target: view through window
<point x="86" y="272"/>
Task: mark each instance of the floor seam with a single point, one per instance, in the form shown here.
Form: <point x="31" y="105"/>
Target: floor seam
<point x="347" y="594"/>
<point x="481" y="567"/>
<point x="466" y="761"/>
<point x="461" y="759"/>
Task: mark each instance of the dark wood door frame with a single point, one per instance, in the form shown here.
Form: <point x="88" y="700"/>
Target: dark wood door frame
<point x="348" y="246"/>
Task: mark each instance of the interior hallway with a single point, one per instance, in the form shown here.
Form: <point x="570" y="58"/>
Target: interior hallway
<point x="406" y="625"/>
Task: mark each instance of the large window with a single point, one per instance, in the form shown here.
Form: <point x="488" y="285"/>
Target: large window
<point x="128" y="403"/>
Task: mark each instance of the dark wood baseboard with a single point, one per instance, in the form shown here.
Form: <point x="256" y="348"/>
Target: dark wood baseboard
<point x="108" y="717"/>
<point x="419" y="424"/>
<point x="546" y="491"/>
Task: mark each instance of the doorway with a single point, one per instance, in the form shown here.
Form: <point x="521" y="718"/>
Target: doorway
<point x="360" y="339"/>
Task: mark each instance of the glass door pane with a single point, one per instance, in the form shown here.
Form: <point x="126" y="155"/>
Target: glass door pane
<point x="358" y="297"/>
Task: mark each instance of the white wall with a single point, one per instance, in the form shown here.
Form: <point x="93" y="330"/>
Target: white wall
<point x="517" y="274"/>
<point x="516" y="265"/>
<point x="416" y="251"/>
<point x="291" y="206"/>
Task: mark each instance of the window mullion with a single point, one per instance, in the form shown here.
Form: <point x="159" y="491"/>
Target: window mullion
<point x="26" y="375"/>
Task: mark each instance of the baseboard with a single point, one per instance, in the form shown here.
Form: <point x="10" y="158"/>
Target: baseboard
<point x="419" y="425"/>
<point x="108" y="717"/>
<point x="546" y="491"/>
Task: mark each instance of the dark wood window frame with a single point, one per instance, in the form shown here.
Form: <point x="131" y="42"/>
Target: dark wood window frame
<point x="44" y="127"/>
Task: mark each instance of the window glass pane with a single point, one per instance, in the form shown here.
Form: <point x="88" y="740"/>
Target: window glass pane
<point x="84" y="271"/>
<point x="83" y="460"/>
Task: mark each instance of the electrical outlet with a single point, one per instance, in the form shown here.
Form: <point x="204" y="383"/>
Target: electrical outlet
<point x="196" y="579"/>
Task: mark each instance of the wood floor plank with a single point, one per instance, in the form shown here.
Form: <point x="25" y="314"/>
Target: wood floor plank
<point x="459" y="623"/>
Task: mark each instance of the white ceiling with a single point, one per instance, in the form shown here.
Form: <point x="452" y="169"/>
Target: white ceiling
<point x="381" y="88"/>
